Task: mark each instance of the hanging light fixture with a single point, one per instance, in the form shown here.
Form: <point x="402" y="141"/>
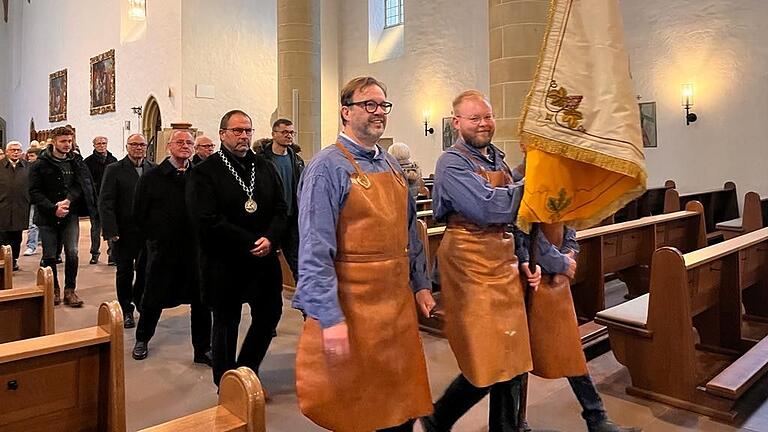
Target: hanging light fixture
<point x="137" y="10"/>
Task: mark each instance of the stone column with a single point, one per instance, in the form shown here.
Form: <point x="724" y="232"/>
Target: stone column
<point x="298" y="68"/>
<point x="516" y="30"/>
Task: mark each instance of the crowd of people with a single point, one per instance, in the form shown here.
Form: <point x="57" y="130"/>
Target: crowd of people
<point x="205" y="228"/>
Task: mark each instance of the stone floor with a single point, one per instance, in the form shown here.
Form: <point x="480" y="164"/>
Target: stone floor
<point x="168" y="384"/>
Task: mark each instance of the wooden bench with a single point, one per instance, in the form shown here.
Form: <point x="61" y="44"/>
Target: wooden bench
<point x="66" y="381"/>
<point x="423" y="204"/>
<point x="753" y="217"/>
<point x="650" y="203"/>
<point x="28" y="312"/>
<point x="240" y="408"/>
<point x="687" y="343"/>
<point x="289" y="284"/>
<point x="6" y="267"/>
<point x="720" y="205"/>
<point x="428" y="217"/>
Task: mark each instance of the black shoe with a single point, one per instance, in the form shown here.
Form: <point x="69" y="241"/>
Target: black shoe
<point x="94" y="260"/>
<point x="111" y="263"/>
<point x="16" y="266"/>
<point x="128" y="321"/>
<point x="204" y="358"/>
<point x="140" y="351"/>
<point x="59" y="260"/>
<point x="609" y="426"/>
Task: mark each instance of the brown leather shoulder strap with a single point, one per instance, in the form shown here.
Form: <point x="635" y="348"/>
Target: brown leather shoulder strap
<point x="360" y="175"/>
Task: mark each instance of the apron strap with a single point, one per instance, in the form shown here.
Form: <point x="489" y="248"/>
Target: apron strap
<point x="360" y="176"/>
<point x="480" y="169"/>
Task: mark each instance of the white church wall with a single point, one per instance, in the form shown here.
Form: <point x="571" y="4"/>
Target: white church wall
<point x="54" y="35"/>
<point x="719" y="47"/>
<point x="5" y="71"/>
<point x="230" y="45"/>
<point x="445" y="52"/>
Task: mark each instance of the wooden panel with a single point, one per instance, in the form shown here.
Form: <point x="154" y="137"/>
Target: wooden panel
<point x="20" y="319"/>
<point x="739" y="376"/>
<point x="6" y="267"/>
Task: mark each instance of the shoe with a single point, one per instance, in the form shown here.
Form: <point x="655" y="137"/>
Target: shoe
<point x="140" y="350"/>
<point x="29" y="252"/>
<point x="16" y="266"/>
<point x="609" y="426"/>
<point x="71" y="299"/>
<point x="204" y="358"/>
<point x="56" y="297"/>
<point x="111" y="263"/>
<point x="128" y="321"/>
<point x="59" y="260"/>
<point x="94" y="260"/>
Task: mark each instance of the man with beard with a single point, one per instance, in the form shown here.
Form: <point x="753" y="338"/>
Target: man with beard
<point x="97" y="163"/>
<point x="203" y="148"/>
<point x="172" y="275"/>
<point x="360" y="364"/>
<point x="235" y="201"/>
<point x="482" y="292"/>
<point x="115" y="209"/>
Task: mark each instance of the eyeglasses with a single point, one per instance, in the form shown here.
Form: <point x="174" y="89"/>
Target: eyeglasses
<point x="207" y="146"/>
<point x="477" y="119"/>
<point x="182" y="143"/>
<point x="240" y="131"/>
<point x="286" y="132"/>
<point x="137" y="144"/>
<point x="8" y="150"/>
<point x="371" y="106"/>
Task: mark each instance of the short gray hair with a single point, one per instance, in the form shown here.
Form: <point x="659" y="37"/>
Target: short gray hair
<point x="400" y="151"/>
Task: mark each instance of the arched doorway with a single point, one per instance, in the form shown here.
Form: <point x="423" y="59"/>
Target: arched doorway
<point x="151" y="127"/>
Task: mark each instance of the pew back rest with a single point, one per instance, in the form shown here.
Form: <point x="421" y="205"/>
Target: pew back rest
<point x="6" y="267"/>
<point x="28" y="312"/>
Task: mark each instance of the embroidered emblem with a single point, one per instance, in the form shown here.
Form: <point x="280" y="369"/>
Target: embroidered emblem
<point x="555" y="205"/>
<point x="566" y="105"/>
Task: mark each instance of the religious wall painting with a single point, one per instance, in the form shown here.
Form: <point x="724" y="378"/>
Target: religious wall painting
<point x="103" y="83"/>
<point x="57" y="96"/>
<point x="449" y="133"/>
<point x="648" y="123"/>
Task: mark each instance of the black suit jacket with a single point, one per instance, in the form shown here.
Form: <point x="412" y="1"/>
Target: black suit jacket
<point x="116" y="200"/>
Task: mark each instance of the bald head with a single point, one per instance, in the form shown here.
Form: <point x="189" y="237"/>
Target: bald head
<point x="203" y="146"/>
<point x="136" y="145"/>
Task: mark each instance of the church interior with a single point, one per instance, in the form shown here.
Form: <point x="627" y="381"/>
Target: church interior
<point x="119" y="67"/>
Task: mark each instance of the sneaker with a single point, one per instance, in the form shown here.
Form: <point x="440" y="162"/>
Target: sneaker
<point x="71" y="299"/>
<point x="29" y="252"/>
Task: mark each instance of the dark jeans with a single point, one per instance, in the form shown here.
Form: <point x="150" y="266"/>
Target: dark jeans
<point x="96" y="240"/>
<point x="585" y="391"/>
<point x="12" y="238"/>
<point x="265" y="314"/>
<point x="461" y="395"/>
<point x="131" y="258"/>
<point x="66" y="233"/>
<point x="200" y="320"/>
<point x="290" y="246"/>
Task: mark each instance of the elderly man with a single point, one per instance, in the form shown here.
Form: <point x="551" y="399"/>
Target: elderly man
<point x="203" y="148"/>
<point x="172" y="279"/>
<point x="61" y="189"/>
<point x="32" y="232"/>
<point x="236" y="203"/>
<point x="115" y="210"/>
<point x="360" y="363"/>
<point x="97" y="163"/>
<point x="14" y="199"/>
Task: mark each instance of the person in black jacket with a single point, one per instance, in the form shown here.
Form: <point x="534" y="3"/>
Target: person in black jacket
<point x="61" y="189"/>
<point x="236" y="204"/>
<point x="203" y="148"/>
<point x="160" y="212"/>
<point x="282" y="152"/>
<point x="97" y="163"/>
<point x="115" y="211"/>
<point x="14" y="199"/>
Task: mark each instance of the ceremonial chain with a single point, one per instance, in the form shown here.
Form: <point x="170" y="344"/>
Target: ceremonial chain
<point x="250" y="204"/>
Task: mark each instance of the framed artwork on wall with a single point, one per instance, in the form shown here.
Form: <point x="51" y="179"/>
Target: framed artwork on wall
<point x="57" y="96"/>
<point x="449" y="133"/>
<point x="103" y="83"/>
<point x="648" y="123"/>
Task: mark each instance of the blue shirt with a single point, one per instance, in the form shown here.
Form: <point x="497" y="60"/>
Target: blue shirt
<point x="284" y="166"/>
<point x="551" y="259"/>
<point x="459" y="189"/>
<point x="323" y="189"/>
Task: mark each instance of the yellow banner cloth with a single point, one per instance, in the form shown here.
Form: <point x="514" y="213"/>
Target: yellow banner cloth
<point x="580" y="122"/>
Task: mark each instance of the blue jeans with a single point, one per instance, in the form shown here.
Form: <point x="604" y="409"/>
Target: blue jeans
<point x="33" y="231"/>
<point x="66" y="232"/>
<point x="591" y="404"/>
<point x="96" y="240"/>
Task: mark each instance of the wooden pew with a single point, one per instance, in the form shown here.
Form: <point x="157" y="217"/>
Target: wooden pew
<point x="289" y="284"/>
<point x="428" y="217"/>
<point x="6" y="267"/>
<point x="240" y="408"/>
<point x="753" y="217"/>
<point x="650" y="203"/>
<point x="720" y="205"/>
<point x="66" y="381"/>
<point x="423" y="204"/>
<point x="28" y="312"/>
<point x="687" y="342"/>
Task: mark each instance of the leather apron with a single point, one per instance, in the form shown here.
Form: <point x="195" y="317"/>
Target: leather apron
<point x="485" y="318"/>
<point x="555" y="340"/>
<point x="383" y="383"/>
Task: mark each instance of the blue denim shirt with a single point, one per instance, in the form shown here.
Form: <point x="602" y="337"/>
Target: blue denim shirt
<point x="322" y="192"/>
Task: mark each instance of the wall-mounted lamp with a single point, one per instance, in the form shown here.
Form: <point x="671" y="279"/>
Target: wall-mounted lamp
<point x="427" y="130"/>
<point x="687" y="103"/>
<point x="137" y="10"/>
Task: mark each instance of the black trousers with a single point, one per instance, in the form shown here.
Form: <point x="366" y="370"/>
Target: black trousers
<point x="201" y="326"/>
<point x="12" y="238"/>
<point x="265" y="314"/>
<point x="131" y="259"/>
<point x="461" y="395"/>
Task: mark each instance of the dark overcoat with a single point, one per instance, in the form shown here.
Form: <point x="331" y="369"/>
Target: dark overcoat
<point x="97" y="165"/>
<point x="46" y="188"/>
<point x="227" y="233"/>
<point x="116" y="202"/>
<point x="14" y="195"/>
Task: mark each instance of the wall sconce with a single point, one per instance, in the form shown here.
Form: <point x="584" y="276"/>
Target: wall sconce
<point x="427" y="130"/>
<point x="137" y="10"/>
<point x="688" y="104"/>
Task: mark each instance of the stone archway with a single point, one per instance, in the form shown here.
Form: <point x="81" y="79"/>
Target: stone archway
<point x="151" y="127"/>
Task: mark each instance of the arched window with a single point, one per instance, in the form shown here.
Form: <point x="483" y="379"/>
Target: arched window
<point x="393" y="13"/>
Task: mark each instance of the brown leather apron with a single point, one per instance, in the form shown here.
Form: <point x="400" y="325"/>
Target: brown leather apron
<point x="485" y="319"/>
<point x="384" y="382"/>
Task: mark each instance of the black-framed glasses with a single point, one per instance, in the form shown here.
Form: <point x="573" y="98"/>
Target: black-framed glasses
<point x="371" y="106"/>
<point x="286" y="132"/>
<point x="240" y="131"/>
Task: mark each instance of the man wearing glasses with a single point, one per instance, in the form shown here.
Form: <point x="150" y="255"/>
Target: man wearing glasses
<point x="203" y="148"/>
<point x="360" y="363"/>
<point x="97" y="163"/>
<point x="115" y="207"/>
<point x="281" y="150"/>
<point x="14" y="199"/>
<point x="235" y="200"/>
<point x="160" y="212"/>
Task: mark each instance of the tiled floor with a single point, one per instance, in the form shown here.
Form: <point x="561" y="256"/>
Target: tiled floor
<point x="167" y="384"/>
